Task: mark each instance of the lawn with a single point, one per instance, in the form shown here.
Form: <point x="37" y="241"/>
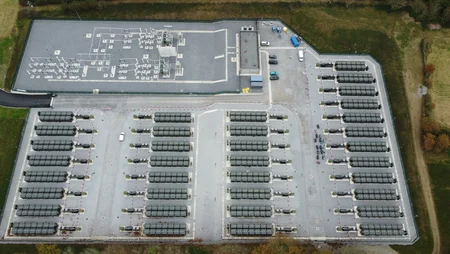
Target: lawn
<point x="438" y="53"/>
<point x="8" y="16"/>
<point x="330" y="30"/>
<point x="440" y="179"/>
<point x="11" y="124"/>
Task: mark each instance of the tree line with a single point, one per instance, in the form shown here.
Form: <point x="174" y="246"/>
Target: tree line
<point x="428" y="11"/>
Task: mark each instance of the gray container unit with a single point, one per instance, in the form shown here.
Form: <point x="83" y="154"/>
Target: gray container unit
<point x="247" y="116"/>
<point x="41" y="193"/>
<point x="249" y="161"/>
<point x="55" y="130"/>
<point x="251" y="229"/>
<point x="371" y="162"/>
<point x="358" y="91"/>
<point x="45" y="176"/>
<point x="379" y="212"/>
<point x="251" y="194"/>
<point x="350" y="66"/>
<point x="166" y="211"/>
<point x="365" y="132"/>
<point x="375" y="178"/>
<point x="249" y="145"/>
<point x="52" y="145"/>
<point x="169" y="161"/>
<point x="167" y="194"/>
<point x="173" y="117"/>
<point x="382" y="230"/>
<point x="38" y="210"/>
<point x="56" y="116"/>
<point x="249" y="177"/>
<point x="251" y="211"/>
<point x="171" y="146"/>
<point x="367" y="147"/>
<point x="362" y="118"/>
<point x="165" y="229"/>
<point x="249" y="131"/>
<point x="360" y="104"/>
<point x="376" y="194"/>
<point x="33" y="228"/>
<point x="168" y="131"/>
<point x="168" y="177"/>
<point x="355" y="78"/>
<point x="49" y="160"/>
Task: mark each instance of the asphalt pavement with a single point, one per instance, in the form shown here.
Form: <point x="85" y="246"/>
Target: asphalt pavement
<point x="24" y="101"/>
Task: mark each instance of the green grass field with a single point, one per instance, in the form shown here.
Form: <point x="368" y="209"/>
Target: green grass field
<point x="11" y="124"/>
<point x="329" y="29"/>
<point x="440" y="179"/>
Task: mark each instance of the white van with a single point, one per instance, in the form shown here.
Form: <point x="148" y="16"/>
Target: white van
<point x="300" y="55"/>
<point x="265" y="43"/>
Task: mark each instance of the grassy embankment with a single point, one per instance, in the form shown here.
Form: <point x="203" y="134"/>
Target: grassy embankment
<point x="11" y="124"/>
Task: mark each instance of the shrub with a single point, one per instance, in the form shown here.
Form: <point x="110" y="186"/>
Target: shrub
<point x="429" y="140"/>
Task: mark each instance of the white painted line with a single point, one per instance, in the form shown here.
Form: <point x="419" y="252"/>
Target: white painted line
<point x="218" y="57"/>
<point x="268" y="79"/>
<point x="144" y="81"/>
<point x="226" y="60"/>
<point x="278" y="47"/>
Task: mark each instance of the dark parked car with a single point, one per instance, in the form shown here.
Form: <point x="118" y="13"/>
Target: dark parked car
<point x="272" y="56"/>
<point x="273" y="62"/>
<point x="318" y="126"/>
<point x="274" y="77"/>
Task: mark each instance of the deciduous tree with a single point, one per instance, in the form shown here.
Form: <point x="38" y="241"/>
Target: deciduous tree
<point x="442" y="143"/>
<point x="430" y="126"/>
<point x="429" y="68"/>
<point x="429" y="140"/>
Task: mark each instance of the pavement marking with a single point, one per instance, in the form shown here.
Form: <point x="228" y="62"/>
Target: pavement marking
<point x="268" y="80"/>
<point x="218" y="57"/>
<point x="196" y="170"/>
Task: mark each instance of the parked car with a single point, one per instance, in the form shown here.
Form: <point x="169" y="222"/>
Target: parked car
<point x="265" y="43"/>
<point x="272" y="56"/>
<point x="300" y="55"/>
<point x="318" y="126"/>
<point x="274" y="77"/>
<point x="274" y="73"/>
<point x="273" y="62"/>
